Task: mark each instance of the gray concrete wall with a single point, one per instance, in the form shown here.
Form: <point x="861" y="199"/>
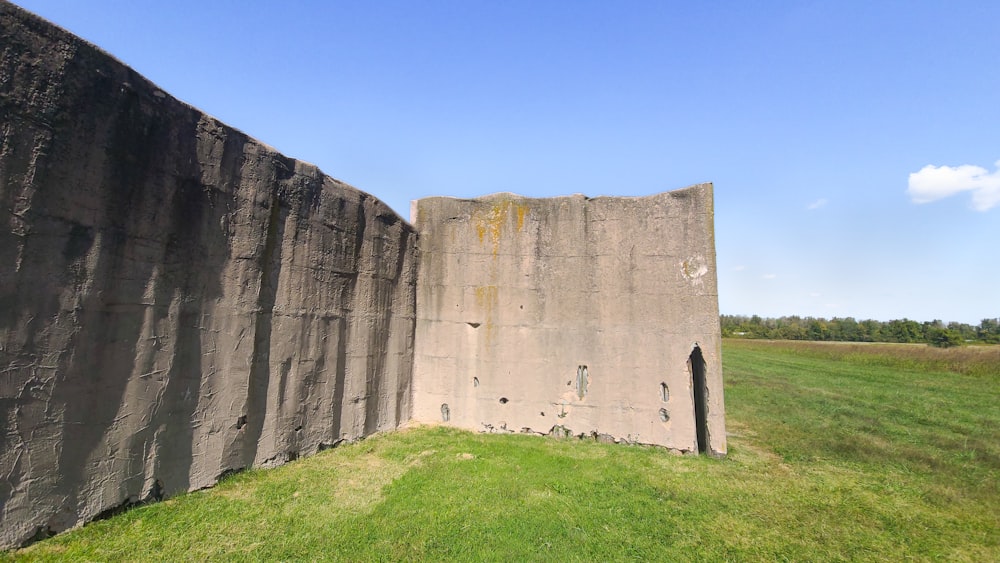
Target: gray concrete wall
<point x="177" y="300"/>
<point x="516" y="295"/>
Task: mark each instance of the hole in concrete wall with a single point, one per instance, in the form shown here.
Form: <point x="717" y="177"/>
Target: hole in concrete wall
<point x="473" y="325"/>
<point x="156" y="492"/>
<point x="445" y="412"/>
<point x="475" y="382"/>
<point x="241" y="422"/>
<point x="696" y="365"/>
<point x="503" y="400"/>
<point x="115" y="510"/>
<point x="298" y="428"/>
<point x="229" y="472"/>
<point x="582" y="380"/>
<point x="542" y="413"/>
<point x="326" y="446"/>
<point x="664" y="392"/>
<point x="41" y="533"/>
<point x="664" y="415"/>
<point x="292" y="456"/>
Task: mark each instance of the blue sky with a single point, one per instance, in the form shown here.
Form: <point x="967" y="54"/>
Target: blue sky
<point x="809" y="118"/>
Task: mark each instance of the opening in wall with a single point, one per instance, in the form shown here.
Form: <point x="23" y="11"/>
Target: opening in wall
<point x="582" y="380"/>
<point x="696" y="365"/>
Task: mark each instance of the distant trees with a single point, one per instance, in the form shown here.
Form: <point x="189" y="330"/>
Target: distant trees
<point x="943" y="338"/>
<point x="847" y="329"/>
<point x="988" y="330"/>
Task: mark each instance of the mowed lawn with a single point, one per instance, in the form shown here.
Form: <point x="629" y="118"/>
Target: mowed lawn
<point x="836" y="452"/>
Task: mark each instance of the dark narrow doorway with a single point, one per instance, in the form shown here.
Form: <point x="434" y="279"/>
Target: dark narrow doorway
<point x="696" y="364"/>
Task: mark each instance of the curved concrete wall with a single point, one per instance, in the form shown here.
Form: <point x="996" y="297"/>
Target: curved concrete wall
<point x="571" y="315"/>
<point x="177" y="300"/>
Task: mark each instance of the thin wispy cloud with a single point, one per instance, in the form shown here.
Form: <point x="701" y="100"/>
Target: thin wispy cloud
<point x="932" y="183"/>
<point x="739" y="268"/>
<point x="769" y="276"/>
<point x="817" y="204"/>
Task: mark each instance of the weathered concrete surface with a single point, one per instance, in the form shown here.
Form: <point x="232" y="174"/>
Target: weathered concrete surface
<point x="571" y="315"/>
<point x="177" y="300"/>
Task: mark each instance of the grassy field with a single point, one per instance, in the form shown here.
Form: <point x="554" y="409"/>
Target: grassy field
<point x="836" y="453"/>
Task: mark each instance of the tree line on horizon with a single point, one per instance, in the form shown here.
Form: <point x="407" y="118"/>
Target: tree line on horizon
<point x="847" y="329"/>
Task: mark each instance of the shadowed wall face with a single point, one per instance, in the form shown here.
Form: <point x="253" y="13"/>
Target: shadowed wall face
<point x="177" y="300"/>
<point x="571" y="315"/>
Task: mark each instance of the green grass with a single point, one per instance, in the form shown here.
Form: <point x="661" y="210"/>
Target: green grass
<point x="849" y="457"/>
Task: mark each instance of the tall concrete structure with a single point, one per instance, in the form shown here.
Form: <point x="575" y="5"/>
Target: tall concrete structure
<point x="574" y="315"/>
<point x="179" y="301"/>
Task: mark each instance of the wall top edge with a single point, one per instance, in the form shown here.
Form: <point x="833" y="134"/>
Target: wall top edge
<point x="19" y="23"/>
<point x="679" y="192"/>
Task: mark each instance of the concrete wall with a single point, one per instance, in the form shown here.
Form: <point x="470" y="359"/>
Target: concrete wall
<point x="517" y="295"/>
<point x="177" y="300"/>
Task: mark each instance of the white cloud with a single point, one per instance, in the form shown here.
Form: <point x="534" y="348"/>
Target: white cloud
<point x="739" y="268"/>
<point x="769" y="276"/>
<point x="817" y="204"/>
<point x="814" y="294"/>
<point x="936" y="182"/>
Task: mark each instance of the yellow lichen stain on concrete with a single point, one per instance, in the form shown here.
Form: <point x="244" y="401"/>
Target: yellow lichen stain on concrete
<point x="491" y="223"/>
<point x="487" y="299"/>
<point x="486" y="296"/>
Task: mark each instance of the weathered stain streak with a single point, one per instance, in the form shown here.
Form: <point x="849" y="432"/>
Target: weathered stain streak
<point x="488" y="301"/>
<point x="489" y="224"/>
